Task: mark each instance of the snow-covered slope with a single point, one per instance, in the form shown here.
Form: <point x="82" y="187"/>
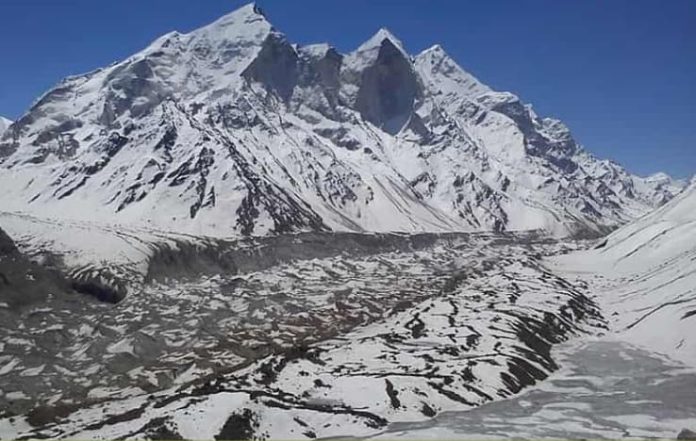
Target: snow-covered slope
<point x="231" y="129"/>
<point x="645" y="275"/>
<point x="4" y="124"/>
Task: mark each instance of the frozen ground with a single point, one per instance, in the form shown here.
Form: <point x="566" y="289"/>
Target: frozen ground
<point x="606" y="389"/>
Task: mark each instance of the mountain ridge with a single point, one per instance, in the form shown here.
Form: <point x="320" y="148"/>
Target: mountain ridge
<point x="232" y="129"/>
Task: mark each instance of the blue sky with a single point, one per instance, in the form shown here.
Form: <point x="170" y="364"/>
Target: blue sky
<point x="620" y="73"/>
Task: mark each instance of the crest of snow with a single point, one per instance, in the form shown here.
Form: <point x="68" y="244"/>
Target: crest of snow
<point x="243" y="26"/>
<point x="658" y="177"/>
<point x="376" y="41"/>
<point x="445" y="75"/>
<point x="315" y="50"/>
<point x="368" y="52"/>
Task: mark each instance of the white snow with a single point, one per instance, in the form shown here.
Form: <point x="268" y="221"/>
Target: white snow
<point x="645" y="278"/>
<point x="4" y="124"/>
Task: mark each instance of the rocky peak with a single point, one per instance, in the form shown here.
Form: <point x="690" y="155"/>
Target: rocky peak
<point x="387" y="84"/>
<point x="663" y="182"/>
<point x="445" y="76"/>
<point x="244" y="18"/>
<point x="232" y="41"/>
<point x="369" y="51"/>
<point x="323" y="64"/>
<point x="275" y="66"/>
<point x="379" y="38"/>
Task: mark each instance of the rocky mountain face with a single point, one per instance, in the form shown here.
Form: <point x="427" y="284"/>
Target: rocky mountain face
<point x="234" y="130"/>
<point x="7" y="246"/>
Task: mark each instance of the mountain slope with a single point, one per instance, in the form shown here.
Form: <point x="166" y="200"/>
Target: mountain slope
<point x="231" y="129"/>
<point x="645" y="274"/>
<point x="4" y="124"/>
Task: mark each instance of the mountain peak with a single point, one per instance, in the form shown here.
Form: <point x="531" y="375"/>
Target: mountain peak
<point x="382" y="35"/>
<point x="435" y="54"/>
<point x="434" y="50"/>
<point x="659" y="176"/>
<point x="245" y="20"/>
<point x="445" y="75"/>
<point x="248" y="11"/>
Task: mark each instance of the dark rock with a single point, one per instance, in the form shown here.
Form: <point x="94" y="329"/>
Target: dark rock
<point x="99" y="291"/>
<point x="43" y="415"/>
<point x="160" y="429"/>
<point x="7" y="246"/>
<point x="428" y="411"/>
<point x="239" y="426"/>
<point x="276" y="67"/>
<point x="687" y="435"/>
<point x="389" y="89"/>
<point x="393" y="395"/>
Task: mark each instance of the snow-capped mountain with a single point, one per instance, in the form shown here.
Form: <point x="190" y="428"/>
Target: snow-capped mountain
<point x="4" y="124"/>
<point x="232" y="129"/>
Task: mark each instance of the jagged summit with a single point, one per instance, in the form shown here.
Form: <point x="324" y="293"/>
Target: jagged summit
<point x="437" y="67"/>
<point x="232" y="129"/>
<point x="245" y="26"/>
<point x="376" y="41"/>
<point x="383" y="43"/>
<point x="435" y="50"/>
<point x="247" y="14"/>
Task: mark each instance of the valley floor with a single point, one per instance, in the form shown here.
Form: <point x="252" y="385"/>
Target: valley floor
<point x="606" y="388"/>
<point x="332" y="335"/>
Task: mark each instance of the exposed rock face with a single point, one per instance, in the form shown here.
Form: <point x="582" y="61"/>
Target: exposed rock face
<point x="7" y="246"/>
<point x="388" y="89"/>
<point x="276" y="67"/>
<point x="233" y="130"/>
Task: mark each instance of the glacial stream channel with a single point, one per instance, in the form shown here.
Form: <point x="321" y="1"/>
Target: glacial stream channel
<point x="604" y="389"/>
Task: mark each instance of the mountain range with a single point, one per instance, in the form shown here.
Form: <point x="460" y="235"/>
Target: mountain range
<point x="234" y="130"/>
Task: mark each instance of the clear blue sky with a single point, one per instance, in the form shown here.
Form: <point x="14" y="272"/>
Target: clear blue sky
<point x="620" y="73"/>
